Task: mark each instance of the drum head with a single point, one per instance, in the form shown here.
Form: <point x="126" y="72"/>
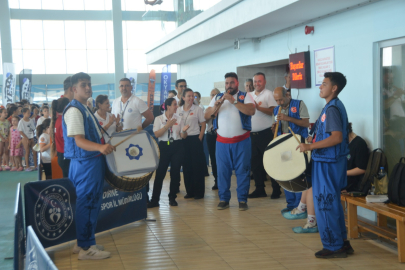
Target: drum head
<point x="282" y="161"/>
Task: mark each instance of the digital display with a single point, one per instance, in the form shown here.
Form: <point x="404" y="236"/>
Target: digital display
<point x="300" y="70"/>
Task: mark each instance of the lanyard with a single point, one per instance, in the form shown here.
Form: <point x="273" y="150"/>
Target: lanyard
<point x="125" y="108"/>
<point x="189" y="111"/>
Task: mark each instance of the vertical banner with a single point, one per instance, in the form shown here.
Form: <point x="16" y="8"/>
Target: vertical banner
<point x="165" y="83"/>
<point x="25" y="83"/>
<point x="36" y="258"/>
<point x="132" y="75"/>
<point x="8" y="83"/>
<point x="151" y="90"/>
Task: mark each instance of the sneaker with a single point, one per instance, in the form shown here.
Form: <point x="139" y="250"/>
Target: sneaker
<point x="257" y="194"/>
<point x="20" y="169"/>
<point x="173" y="202"/>
<point x="93" y="254"/>
<point x="6" y="168"/>
<point x="188" y="196"/>
<point x="243" y="206"/>
<point x="35" y="169"/>
<point x="328" y="254"/>
<point x="14" y="169"/>
<point x="28" y="169"/>
<point x="348" y="247"/>
<point x="76" y="249"/>
<point x="223" y="205"/>
<point x="306" y="229"/>
<point x="286" y="210"/>
<point x="153" y="204"/>
<point x="294" y="215"/>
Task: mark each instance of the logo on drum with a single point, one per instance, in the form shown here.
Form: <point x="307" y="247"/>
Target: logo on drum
<point x="134" y="152"/>
<point x="293" y="109"/>
<point x="53" y="212"/>
<point x="323" y="118"/>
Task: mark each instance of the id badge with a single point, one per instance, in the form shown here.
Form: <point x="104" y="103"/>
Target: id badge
<point x="171" y="140"/>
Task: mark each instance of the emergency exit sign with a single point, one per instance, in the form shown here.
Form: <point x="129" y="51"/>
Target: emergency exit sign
<point x="300" y="70"/>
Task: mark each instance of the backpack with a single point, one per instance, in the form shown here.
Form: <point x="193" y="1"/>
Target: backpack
<point x="376" y="160"/>
<point x="396" y="184"/>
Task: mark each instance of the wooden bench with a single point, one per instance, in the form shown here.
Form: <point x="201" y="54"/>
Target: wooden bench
<point x="356" y="225"/>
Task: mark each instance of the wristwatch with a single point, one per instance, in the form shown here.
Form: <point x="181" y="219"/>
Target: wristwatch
<point x="184" y="132"/>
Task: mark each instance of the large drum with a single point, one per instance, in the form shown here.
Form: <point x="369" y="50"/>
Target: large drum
<point x="290" y="168"/>
<point x="131" y="166"/>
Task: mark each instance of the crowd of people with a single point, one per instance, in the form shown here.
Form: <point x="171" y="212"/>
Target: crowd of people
<point x="238" y="127"/>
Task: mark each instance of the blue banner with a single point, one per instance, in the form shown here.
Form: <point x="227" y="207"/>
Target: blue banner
<point x="37" y="258"/>
<point x="50" y="209"/>
<point x="165" y="83"/>
<point x="19" y="232"/>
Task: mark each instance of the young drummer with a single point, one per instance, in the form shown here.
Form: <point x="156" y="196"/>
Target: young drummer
<point x="84" y="145"/>
<point x="329" y="156"/>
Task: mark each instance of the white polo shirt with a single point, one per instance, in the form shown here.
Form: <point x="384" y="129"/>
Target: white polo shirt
<point x="193" y="117"/>
<point x="173" y="132"/>
<point x="262" y="121"/>
<point x="104" y="122"/>
<point x="130" y="112"/>
<point x="229" y="123"/>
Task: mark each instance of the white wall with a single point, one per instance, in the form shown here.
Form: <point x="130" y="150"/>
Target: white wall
<point x="353" y="34"/>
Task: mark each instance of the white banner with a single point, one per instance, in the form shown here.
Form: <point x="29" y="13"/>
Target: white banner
<point x="8" y="83"/>
<point x="324" y="62"/>
<point x="132" y="75"/>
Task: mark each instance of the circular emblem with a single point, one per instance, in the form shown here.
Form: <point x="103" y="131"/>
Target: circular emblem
<point x="191" y="113"/>
<point x="242" y="97"/>
<point x="129" y="110"/>
<point x="101" y="123"/>
<point x="53" y="212"/>
<point x="42" y="139"/>
<point x="260" y="103"/>
<point x="323" y="118"/>
<point x="293" y="109"/>
<point x="134" y="152"/>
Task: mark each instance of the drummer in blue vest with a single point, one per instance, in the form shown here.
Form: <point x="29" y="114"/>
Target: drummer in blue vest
<point x="84" y="146"/>
<point x="329" y="168"/>
<point x="233" y="149"/>
<point x="291" y="113"/>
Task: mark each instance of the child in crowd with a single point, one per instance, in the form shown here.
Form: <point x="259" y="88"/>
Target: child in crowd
<point x="12" y="112"/>
<point x="45" y="113"/>
<point x="35" y="113"/>
<point x="15" y="145"/>
<point x="26" y="127"/>
<point x="4" y="130"/>
<point x="43" y="131"/>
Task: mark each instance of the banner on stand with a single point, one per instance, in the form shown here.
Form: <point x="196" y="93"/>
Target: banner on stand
<point x="36" y="258"/>
<point x="132" y="75"/>
<point x="151" y="90"/>
<point x="165" y="83"/>
<point x="8" y="83"/>
<point x="25" y="83"/>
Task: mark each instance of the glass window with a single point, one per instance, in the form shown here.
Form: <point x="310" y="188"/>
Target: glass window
<point x="110" y="35"/>
<point x="393" y="97"/>
<point x="76" y="61"/>
<point x="73" y="5"/>
<point x="15" y="27"/>
<point x="52" y="4"/>
<point x="14" y="3"/>
<point x="55" y="61"/>
<point x="32" y="35"/>
<point x="75" y="35"/>
<point x="111" y="61"/>
<point x="97" y="5"/>
<point x="97" y="61"/>
<point x="34" y="59"/>
<point x="131" y="5"/>
<point x="96" y="35"/>
<point x="54" y="35"/>
<point x="18" y="60"/>
<point x="30" y="4"/>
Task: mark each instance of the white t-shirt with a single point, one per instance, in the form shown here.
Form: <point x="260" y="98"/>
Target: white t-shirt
<point x="175" y="130"/>
<point x="41" y="120"/>
<point x="74" y="122"/>
<point x="262" y="121"/>
<point x="105" y="122"/>
<point x="46" y="155"/>
<point x="27" y="127"/>
<point x="193" y="117"/>
<point x="229" y="123"/>
<point x="396" y="108"/>
<point x="177" y="99"/>
<point x="130" y="112"/>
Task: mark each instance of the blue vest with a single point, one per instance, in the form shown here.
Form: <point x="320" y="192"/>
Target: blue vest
<point x="333" y="153"/>
<point x="246" y="119"/>
<point x="294" y="103"/>
<point x="72" y="151"/>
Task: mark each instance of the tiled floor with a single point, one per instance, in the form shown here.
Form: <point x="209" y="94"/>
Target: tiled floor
<point x="195" y="235"/>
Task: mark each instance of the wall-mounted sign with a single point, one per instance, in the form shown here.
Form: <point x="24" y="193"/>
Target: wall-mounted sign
<point x="324" y="62"/>
<point x="300" y="70"/>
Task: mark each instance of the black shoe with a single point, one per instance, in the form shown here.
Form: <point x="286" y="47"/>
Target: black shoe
<point x="328" y="254"/>
<point x="223" y="205"/>
<point x="215" y="187"/>
<point x="243" y="206"/>
<point x="198" y="197"/>
<point x="152" y="204"/>
<point x="188" y="196"/>
<point x="276" y="194"/>
<point x="257" y="194"/>
<point x="348" y="247"/>
<point x="173" y="202"/>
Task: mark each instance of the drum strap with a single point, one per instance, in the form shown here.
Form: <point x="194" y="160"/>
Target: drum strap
<point x="278" y="142"/>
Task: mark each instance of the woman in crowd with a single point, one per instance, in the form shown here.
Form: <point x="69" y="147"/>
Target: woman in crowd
<point x="108" y="121"/>
<point x="194" y="164"/>
<point x="43" y="131"/>
<point x="58" y="105"/>
<point x="170" y="130"/>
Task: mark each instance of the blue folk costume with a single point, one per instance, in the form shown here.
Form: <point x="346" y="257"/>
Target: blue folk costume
<point x="329" y="176"/>
<point x="87" y="170"/>
<point x="234" y="154"/>
<point x="293" y="199"/>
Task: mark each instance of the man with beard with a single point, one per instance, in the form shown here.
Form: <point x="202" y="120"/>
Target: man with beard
<point x="233" y="148"/>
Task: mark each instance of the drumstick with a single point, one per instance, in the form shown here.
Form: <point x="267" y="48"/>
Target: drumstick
<point x="295" y="136"/>
<point x="139" y="129"/>
<point x="275" y="133"/>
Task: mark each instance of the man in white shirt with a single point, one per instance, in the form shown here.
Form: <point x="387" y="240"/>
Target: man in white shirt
<point x="233" y="149"/>
<point x="261" y="134"/>
<point x="180" y="85"/>
<point x="131" y="108"/>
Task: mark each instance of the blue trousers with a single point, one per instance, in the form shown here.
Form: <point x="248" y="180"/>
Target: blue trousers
<point x="293" y="199"/>
<point x="233" y="156"/>
<point x="88" y="178"/>
<point x="327" y="181"/>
